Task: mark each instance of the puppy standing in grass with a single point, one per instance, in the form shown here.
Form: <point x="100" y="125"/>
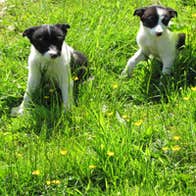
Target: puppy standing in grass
<point x="154" y="38"/>
<point x="50" y="57"/>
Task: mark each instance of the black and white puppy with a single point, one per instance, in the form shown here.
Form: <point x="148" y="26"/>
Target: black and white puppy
<point x="154" y="38"/>
<point x="50" y="57"/>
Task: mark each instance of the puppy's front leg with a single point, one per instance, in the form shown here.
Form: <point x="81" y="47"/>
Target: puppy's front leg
<point x="167" y="65"/>
<point x="66" y="86"/>
<point x="33" y="82"/>
<point x="136" y="58"/>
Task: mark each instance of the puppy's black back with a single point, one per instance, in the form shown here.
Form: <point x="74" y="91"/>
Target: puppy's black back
<point x="181" y="40"/>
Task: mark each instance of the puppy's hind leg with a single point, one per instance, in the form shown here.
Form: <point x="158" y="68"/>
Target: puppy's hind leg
<point x="136" y="58"/>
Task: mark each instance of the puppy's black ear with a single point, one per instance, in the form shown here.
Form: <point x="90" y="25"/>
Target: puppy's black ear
<point x="29" y="32"/>
<point x="63" y="27"/>
<point x="139" y="12"/>
<point x="172" y="12"/>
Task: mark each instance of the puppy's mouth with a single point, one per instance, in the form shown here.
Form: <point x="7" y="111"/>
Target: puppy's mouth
<point x="54" y="56"/>
<point x="53" y="53"/>
<point x="158" y="34"/>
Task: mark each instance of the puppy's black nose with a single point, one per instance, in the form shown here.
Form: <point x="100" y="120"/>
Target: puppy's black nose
<point x="158" y="34"/>
<point x="53" y="56"/>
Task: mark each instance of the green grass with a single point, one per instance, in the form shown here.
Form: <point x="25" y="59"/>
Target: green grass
<point x="125" y="136"/>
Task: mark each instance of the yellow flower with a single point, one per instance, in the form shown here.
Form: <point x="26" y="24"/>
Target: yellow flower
<point x="193" y="88"/>
<point x="75" y="78"/>
<point x="56" y="182"/>
<point x="186" y="98"/>
<point x="115" y="86"/>
<point x="138" y="123"/>
<point x="125" y="117"/>
<point x="50" y="182"/>
<point x="110" y="113"/>
<point x="46" y="97"/>
<point x="176" y="148"/>
<point x="36" y="172"/>
<point x="51" y="90"/>
<point x="194" y="15"/>
<point x="92" y="166"/>
<point x="63" y="152"/>
<point x="110" y="154"/>
<point x="176" y="137"/>
<point x="165" y="148"/>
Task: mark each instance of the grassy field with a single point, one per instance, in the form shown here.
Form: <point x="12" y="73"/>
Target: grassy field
<point x="125" y="136"/>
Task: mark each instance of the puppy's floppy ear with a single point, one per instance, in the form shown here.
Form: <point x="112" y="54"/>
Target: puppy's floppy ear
<point x="63" y="27"/>
<point x="139" y="12"/>
<point x="29" y="32"/>
<point x="172" y="12"/>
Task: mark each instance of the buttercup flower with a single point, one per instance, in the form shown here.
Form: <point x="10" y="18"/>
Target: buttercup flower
<point x="193" y="88"/>
<point x="63" y="152"/>
<point x="176" y="148"/>
<point x="36" y="172"/>
<point x="176" y="137"/>
<point x="92" y="166"/>
<point x="76" y="78"/>
<point x="138" y="123"/>
<point x="51" y="90"/>
<point x="110" y="154"/>
<point x="165" y="148"/>
<point x="114" y="86"/>
<point x="186" y="98"/>
<point x="46" y="97"/>
<point x="50" y="182"/>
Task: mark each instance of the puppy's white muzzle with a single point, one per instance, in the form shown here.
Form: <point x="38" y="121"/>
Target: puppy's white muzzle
<point x="159" y="30"/>
<point x="52" y="52"/>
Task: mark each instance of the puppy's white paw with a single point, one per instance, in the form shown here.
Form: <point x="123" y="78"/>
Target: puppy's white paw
<point x="126" y="73"/>
<point x="16" y="111"/>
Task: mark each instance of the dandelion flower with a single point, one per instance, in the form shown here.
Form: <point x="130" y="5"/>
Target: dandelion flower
<point x="193" y="88"/>
<point x="76" y="78"/>
<point x="18" y="155"/>
<point x="63" y="152"/>
<point x="176" y="148"/>
<point x="115" y="86"/>
<point x="51" y="90"/>
<point x="125" y="117"/>
<point x="176" y="137"/>
<point x="46" y="97"/>
<point x="138" y="123"/>
<point x="165" y="148"/>
<point x="50" y="182"/>
<point x="109" y="114"/>
<point x="110" y="154"/>
<point x="92" y="166"/>
<point x="56" y="182"/>
<point x="194" y="15"/>
<point x="186" y="98"/>
<point x="36" y="172"/>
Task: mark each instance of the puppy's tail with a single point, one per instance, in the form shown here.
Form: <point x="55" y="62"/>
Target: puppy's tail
<point x="79" y="66"/>
<point x="181" y="41"/>
<point x="79" y="71"/>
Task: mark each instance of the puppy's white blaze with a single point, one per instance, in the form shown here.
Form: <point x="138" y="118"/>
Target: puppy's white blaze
<point x="52" y="50"/>
<point x="159" y="28"/>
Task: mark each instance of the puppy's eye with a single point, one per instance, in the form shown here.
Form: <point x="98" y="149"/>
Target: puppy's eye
<point x="150" y="18"/>
<point x="166" y="20"/>
<point x="40" y="38"/>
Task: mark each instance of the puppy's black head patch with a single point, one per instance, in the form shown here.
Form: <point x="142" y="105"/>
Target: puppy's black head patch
<point x="150" y="16"/>
<point x="46" y="36"/>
